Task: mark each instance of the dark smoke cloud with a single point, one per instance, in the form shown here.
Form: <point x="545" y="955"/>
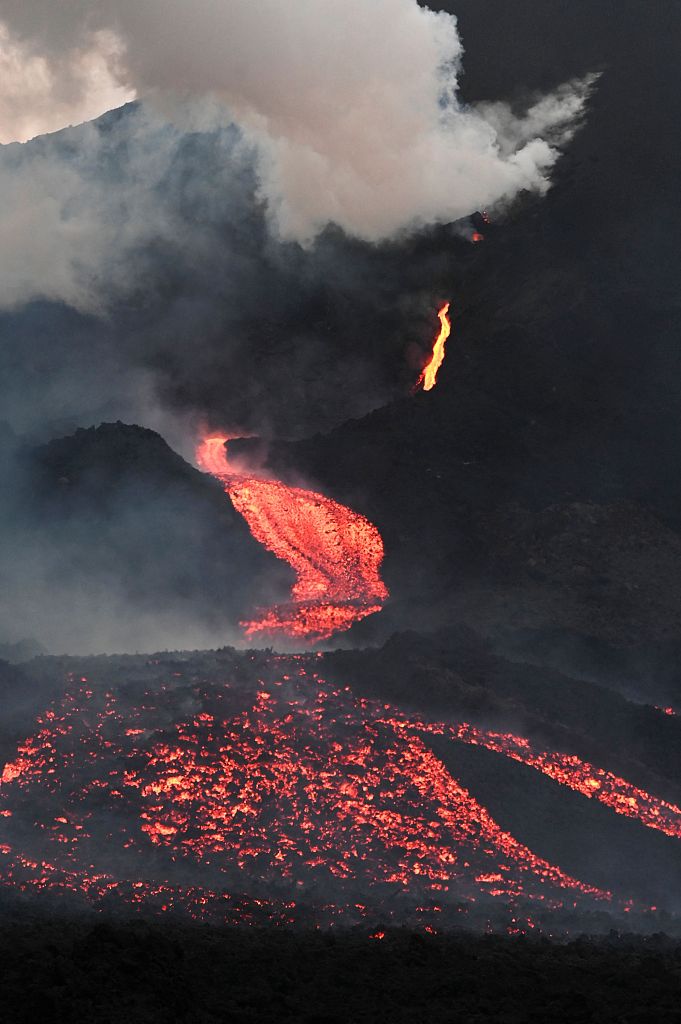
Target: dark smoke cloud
<point x="166" y="301"/>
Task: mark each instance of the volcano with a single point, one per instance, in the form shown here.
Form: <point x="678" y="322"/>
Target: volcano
<point x="489" y="749"/>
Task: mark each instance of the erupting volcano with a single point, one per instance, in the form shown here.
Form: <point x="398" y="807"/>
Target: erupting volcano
<point x="267" y="795"/>
<point x="429" y="373"/>
<point x="336" y="553"/>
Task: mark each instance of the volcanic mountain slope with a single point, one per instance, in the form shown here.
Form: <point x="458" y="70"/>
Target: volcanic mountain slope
<point x="115" y="514"/>
<point x="111" y="540"/>
<point x="536" y="487"/>
<point x="533" y="493"/>
<point x="463" y="543"/>
<point x="252" y="787"/>
<point x="571" y="316"/>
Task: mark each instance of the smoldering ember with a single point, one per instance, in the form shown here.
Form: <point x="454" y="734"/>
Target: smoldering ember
<point x="340" y="540"/>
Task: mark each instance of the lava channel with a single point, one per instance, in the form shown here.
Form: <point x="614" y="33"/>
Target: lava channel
<point x="571" y="771"/>
<point x="428" y="378"/>
<point x="336" y="553"/>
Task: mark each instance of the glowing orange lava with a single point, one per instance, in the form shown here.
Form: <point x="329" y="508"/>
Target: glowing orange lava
<point x="571" y="771"/>
<point x="336" y="553"/>
<point x="429" y="373"/>
<point x="291" y="790"/>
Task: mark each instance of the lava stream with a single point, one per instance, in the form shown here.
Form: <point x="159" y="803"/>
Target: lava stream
<point x="336" y="553"/>
<point x="429" y="373"/>
<point x="569" y="770"/>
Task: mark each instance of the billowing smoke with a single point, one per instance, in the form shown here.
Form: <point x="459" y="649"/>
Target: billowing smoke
<point x="39" y="94"/>
<point x="172" y="229"/>
<point x="353" y="105"/>
<point x="235" y="248"/>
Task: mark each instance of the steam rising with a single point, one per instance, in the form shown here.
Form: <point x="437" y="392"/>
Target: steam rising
<point x="150" y="259"/>
<point x="353" y="105"/>
<point x="39" y="95"/>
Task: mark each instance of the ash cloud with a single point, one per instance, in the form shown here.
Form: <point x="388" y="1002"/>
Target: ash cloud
<point x="353" y="107"/>
<point x="238" y="250"/>
<point x="252" y="221"/>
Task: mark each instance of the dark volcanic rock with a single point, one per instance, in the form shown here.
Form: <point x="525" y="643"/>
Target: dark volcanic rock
<point x="116" y="542"/>
<point x="110" y="971"/>
<point x="537" y="485"/>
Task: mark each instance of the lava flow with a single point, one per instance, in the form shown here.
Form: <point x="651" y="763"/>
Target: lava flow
<point x="318" y="804"/>
<point x="336" y="553"/>
<point x="429" y="373"/>
<point x="569" y="770"/>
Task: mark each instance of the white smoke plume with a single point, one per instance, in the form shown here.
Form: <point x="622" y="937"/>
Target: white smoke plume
<point x="40" y="94"/>
<point x="352" y="104"/>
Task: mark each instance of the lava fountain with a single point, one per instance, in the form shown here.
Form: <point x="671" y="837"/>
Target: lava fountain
<point x="429" y="373"/>
<point x="336" y="553"/>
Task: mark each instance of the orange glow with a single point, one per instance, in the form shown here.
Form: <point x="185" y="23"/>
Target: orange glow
<point x="569" y="770"/>
<point x="289" y="787"/>
<point x="429" y="373"/>
<point x="477" y="237"/>
<point x="336" y="553"/>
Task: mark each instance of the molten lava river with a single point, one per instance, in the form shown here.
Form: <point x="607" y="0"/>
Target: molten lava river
<point x="256" y="792"/>
<point x="289" y="801"/>
<point x="335" y="552"/>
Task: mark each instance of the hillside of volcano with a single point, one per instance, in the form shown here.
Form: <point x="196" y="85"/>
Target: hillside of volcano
<point x="142" y="548"/>
<point x="533" y="493"/>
